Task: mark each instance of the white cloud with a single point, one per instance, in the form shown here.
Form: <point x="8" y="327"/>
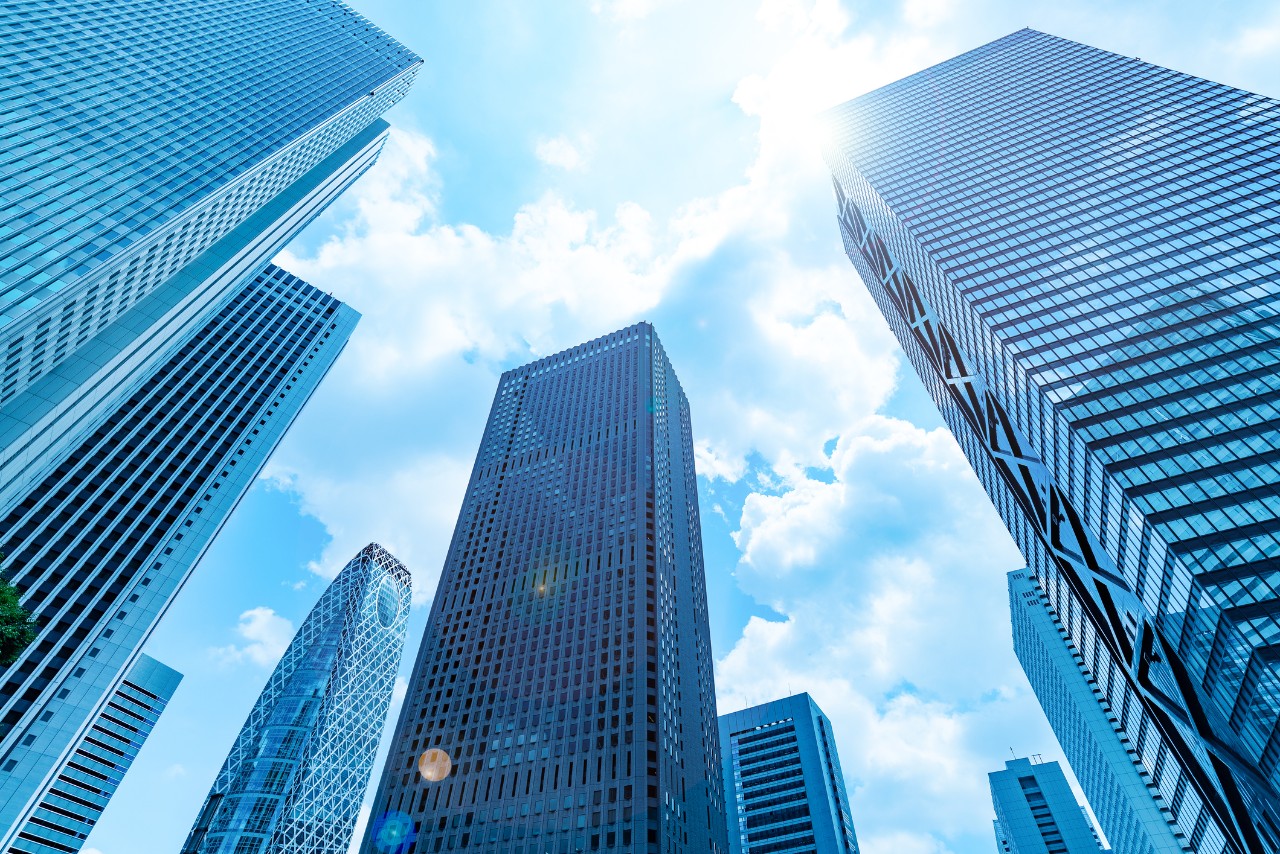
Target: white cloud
<point x="175" y="771"/>
<point x="627" y="10"/>
<point x="1260" y="40"/>
<point x="927" y="13"/>
<point x="881" y="553"/>
<point x="267" y="635"/>
<point x="406" y="505"/>
<point x="563" y="153"/>
<point x="430" y="291"/>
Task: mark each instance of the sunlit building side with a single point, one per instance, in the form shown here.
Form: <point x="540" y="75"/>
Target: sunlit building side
<point x="1124" y="796"/>
<point x="782" y="781"/>
<point x="101" y="543"/>
<point x="154" y="157"/>
<point x="1079" y="253"/>
<point x="85" y="783"/>
<point x="1037" y="813"/>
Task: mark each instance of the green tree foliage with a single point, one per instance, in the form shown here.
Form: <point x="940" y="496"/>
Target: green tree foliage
<point x="17" y="628"/>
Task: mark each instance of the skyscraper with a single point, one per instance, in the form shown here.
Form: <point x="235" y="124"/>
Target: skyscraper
<point x="295" y="777"/>
<point x="1124" y="797"/>
<point x="75" y="801"/>
<point x="783" y="787"/>
<point x="154" y="156"/>
<point x="1077" y="252"/>
<point x="1036" y="813"/>
<point x="562" y="699"/>
<point x="101" y="543"/>
<point x="166" y="150"/>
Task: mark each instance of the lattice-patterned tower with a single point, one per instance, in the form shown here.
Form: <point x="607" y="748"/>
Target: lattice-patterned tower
<point x="298" y="771"/>
<point x="1080" y="254"/>
<point x="154" y="157"/>
<point x="563" y="699"/>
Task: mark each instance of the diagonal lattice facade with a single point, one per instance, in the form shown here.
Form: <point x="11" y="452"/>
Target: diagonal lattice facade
<point x="154" y="156"/>
<point x="1080" y="254"/>
<point x="297" y="772"/>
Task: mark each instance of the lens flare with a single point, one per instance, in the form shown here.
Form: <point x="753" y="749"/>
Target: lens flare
<point x="393" y="833"/>
<point x="434" y="765"/>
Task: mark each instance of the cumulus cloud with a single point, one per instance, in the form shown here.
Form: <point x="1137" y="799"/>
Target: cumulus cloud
<point x="866" y="534"/>
<point x="1259" y="40"/>
<point x="265" y="633"/>
<point x="927" y="13"/>
<point x="891" y="581"/>
<point x="563" y="153"/>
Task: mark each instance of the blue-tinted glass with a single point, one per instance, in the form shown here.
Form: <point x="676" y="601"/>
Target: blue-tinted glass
<point x="1080" y="253"/>
<point x="784" y="790"/>
<point x="298" y="770"/>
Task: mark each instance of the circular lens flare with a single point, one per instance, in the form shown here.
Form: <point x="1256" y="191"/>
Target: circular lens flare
<point x="393" y="833"/>
<point x="434" y="765"/>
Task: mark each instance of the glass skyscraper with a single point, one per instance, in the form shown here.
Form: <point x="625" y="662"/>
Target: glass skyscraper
<point x="1036" y="813"/>
<point x="154" y="156"/>
<point x="139" y="133"/>
<point x="163" y="150"/>
<point x="1124" y="797"/>
<point x="102" y="542"/>
<point x="1078" y="253"/>
<point x="562" y="699"/>
<point x="75" y="801"/>
<point x="783" y="785"/>
<point x="297" y="773"/>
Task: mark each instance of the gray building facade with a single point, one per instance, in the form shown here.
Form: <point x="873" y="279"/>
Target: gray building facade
<point x="1037" y="813"/>
<point x="562" y="699"/>
<point x="783" y="786"/>
<point x="1124" y="796"/>
<point x="1077" y="252"/>
<point x="297" y="772"/>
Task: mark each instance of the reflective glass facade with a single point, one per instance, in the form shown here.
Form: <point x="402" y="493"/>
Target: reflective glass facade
<point x="562" y="699"/>
<point x="1128" y="803"/>
<point x="782" y="781"/>
<point x="74" y="802"/>
<point x="40" y="425"/>
<point x="1079" y="254"/>
<point x="154" y="156"/>
<point x="137" y="133"/>
<point x="1036" y="813"/>
<point x="298" y="770"/>
<point x="100" y="544"/>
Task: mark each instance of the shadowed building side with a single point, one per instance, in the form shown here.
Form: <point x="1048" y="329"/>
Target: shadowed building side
<point x="562" y="699"/>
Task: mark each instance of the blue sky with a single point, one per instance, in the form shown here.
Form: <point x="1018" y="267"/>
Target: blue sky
<point x="561" y="170"/>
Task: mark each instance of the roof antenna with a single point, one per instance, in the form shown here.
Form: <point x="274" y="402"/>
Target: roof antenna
<point x="1011" y="753"/>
